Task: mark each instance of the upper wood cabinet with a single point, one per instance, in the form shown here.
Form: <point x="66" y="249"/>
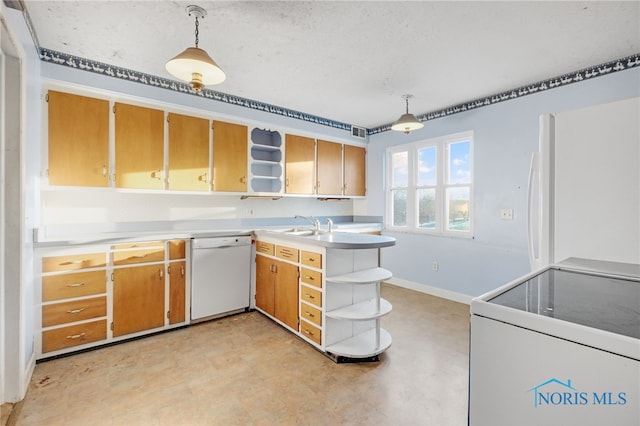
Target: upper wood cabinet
<point x="78" y="140"/>
<point x="188" y="153"/>
<point x="230" y="143"/>
<point x="139" y="147"/>
<point x="299" y="164"/>
<point x="355" y="165"/>
<point x="329" y="168"/>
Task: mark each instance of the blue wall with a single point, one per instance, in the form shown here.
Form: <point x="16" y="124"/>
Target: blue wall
<point x="505" y="135"/>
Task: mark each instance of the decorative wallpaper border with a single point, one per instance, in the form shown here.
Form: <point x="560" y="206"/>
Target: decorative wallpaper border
<point x="552" y="83"/>
<point x="64" y="59"/>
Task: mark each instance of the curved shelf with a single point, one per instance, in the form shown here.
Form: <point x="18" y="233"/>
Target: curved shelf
<point x="365" y="276"/>
<point x="363" y="345"/>
<point x="364" y="310"/>
<point x="262" y="147"/>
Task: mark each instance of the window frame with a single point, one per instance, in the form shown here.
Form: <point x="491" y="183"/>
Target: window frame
<point x="442" y="144"/>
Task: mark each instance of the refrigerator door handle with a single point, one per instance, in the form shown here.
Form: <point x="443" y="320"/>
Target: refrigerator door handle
<point x="533" y="240"/>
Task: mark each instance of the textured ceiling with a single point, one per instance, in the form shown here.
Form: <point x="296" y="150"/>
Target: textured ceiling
<point x="351" y="61"/>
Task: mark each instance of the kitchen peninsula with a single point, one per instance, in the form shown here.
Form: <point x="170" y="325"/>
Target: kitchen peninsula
<point x="325" y="287"/>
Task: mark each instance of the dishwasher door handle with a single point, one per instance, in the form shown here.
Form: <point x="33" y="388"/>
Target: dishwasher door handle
<point x="220" y="247"/>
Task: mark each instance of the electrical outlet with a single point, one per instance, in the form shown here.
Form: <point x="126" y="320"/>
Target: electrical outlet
<point x="506" y="214"/>
<point x="434" y="265"/>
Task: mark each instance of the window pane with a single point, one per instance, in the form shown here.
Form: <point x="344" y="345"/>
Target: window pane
<point x="459" y="165"/>
<point x="399" y="207"/>
<point x="427" y="208"/>
<point x="427" y="166"/>
<point x="458" y="209"/>
<point x="400" y="169"/>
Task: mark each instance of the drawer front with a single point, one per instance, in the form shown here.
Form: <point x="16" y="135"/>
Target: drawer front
<point x="311" y="332"/>
<point x="56" y="287"/>
<point x="311" y="259"/>
<point x="266" y="248"/>
<point x="177" y="249"/>
<point x="311" y="295"/>
<point x="129" y="257"/>
<point x="311" y="277"/>
<point x="77" y="310"/>
<point x="73" y="262"/>
<point x="311" y="314"/>
<point x="74" y="335"/>
<point x="288" y="253"/>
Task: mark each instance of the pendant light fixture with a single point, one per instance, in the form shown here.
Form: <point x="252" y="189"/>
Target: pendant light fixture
<point x="194" y="65"/>
<point x="407" y="122"/>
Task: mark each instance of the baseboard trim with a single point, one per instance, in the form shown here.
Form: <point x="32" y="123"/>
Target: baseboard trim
<point x="433" y="291"/>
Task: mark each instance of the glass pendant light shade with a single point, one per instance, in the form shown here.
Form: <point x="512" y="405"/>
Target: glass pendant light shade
<point x="407" y="122"/>
<point x="196" y="66"/>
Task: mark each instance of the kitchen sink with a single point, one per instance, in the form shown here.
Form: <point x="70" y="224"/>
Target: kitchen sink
<point x="301" y="232"/>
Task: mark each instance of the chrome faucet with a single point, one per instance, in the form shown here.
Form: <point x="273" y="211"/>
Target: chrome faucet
<point x="312" y="220"/>
<point x="330" y="222"/>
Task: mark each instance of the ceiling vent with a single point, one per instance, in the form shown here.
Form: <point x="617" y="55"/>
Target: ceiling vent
<point x="358" y="132"/>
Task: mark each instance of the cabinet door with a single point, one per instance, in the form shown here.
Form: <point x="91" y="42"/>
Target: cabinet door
<point x="299" y="164"/>
<point x="188" y="153"/>
<point x="354" y="170"/>
<point x="265" y="278"/>
<point x="78" y="140"/>
<point x="286" y="299"/>
<point x="138" y="299"/>
<point x="177" y="281"/>
<point x="139" y="147"/>
<point x="329" y="165"/>
<point x="230" y="143"/>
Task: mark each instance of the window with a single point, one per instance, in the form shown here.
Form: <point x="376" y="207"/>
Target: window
<point x="430" y="186"/>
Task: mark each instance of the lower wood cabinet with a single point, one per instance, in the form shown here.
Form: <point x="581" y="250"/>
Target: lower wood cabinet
<point x="138" y="299"/>
<point x="277" y="289"/>
<point x="109" y="293"/>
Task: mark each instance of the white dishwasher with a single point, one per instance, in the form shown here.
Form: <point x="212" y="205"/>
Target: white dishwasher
<point x="220" y="276"/>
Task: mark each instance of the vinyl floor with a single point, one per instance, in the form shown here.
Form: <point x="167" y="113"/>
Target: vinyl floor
<point x="248" y="370"/>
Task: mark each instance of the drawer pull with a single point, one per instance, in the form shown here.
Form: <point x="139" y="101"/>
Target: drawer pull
<point x="71" y="262"/>
<point x="309" y="296"/>
<point x="309" y="314"/>
<point x="310" y="259"/>
<point x="75" y="311"/>
<point x="137" y="256"/>
<point x="75" y="285"/>
<point x="309" y="277"/>
<point x="305" y="331"/>
<point x="182" y="271"/>
<point x="77" y="336"/>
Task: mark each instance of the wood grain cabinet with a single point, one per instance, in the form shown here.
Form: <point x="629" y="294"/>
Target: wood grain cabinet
<point x="277" y="288"/>
<point x="230" y="146"/>
<point x="355" y="167"/>
<point x="74" y="301"/>
<point x="139" y="147"/>
<point x="78" y="140"/>
<point x="329" y="168"/>
<point x="188" y="153"/>
<point x="110" y="293"/>
<point x="299" y="168"/>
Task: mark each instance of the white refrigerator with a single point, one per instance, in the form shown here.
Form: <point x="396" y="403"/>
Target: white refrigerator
<point x="584" y="185"/>
<point x="561" y="345"/>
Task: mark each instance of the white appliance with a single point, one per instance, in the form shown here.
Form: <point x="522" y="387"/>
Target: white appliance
<point x="584" y="185"/>
<point x="560" y="346"/>
<point x="220" y="276"/>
